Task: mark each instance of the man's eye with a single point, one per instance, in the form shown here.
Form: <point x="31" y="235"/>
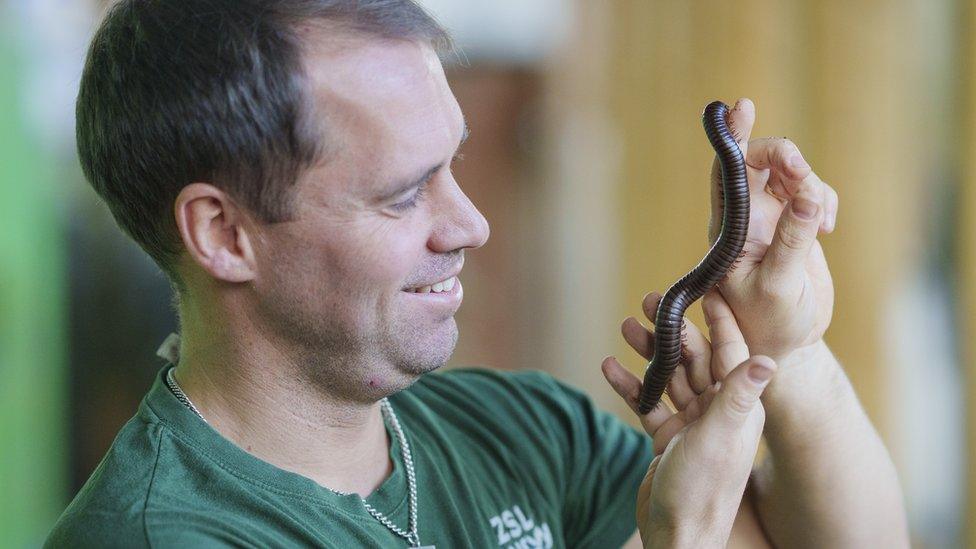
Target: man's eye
<point x="412" y="201"/>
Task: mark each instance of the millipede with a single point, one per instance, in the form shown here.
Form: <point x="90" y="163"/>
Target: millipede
<point x="719" y="260"/>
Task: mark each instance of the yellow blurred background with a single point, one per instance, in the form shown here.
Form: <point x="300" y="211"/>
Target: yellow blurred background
<point x="588" y="159"/>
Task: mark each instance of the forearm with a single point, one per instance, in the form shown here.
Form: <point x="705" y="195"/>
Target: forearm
<point x="696" y="535"/>
<point x="747" y="531"/>
<point x="828" y="480"/>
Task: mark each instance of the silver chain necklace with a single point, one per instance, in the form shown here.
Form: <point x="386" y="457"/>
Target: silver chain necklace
<point x="412" y="537"/>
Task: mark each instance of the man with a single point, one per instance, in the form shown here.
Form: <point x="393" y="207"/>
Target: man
<point x="287" y="164"/>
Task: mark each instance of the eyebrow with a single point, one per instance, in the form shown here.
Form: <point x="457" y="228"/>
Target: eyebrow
<point x="406" y="185"/>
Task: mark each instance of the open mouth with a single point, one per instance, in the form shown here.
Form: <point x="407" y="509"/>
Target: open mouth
<point x="436" y="288"/>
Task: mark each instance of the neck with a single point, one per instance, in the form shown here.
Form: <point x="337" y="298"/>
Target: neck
<point x="260" y="401"/>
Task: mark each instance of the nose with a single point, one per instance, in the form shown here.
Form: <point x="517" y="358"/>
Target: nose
<point x="460" y="224"/>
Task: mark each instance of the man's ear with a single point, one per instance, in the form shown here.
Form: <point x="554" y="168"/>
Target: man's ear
<point x="214" y="231"/>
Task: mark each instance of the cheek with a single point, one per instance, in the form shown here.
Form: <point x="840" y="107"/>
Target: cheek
<point x="299" y="268"/>
<point x="381" y="263"/>
<point x="390" y="271"/>
<point x="394" y="249"/>
<point x="354" y="264"/>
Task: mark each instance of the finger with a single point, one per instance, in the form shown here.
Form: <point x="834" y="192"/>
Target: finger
<point x="729" y="347"/>
<point x="692" y="412"/>
<point x="652" y="469"/>
<point x="696" y="355"/>
<point x="638" y="337"/>
<point x="679" y="389"/>
<point x="820" y="192"/>
<point x="785" y="259"/>
<point x="650" y="304"/>
<point x="642" y="341"/>
<point x="738" y="398"/>
<point x="742" y="118"/>
<point x="696" y="409"/>
<point x="790" y="174"/>
<point x="695" y="351"/>
<point x="715" y="220"/>
<point x="811" y="185"/>
<point x="628" y="386"/>
<point x="778" y="154"/>
<point x="831" y="205"/>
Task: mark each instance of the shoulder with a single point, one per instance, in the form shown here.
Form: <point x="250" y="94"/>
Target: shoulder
<point x="121" y="505"/>
<point x="95" y="530"/>
<point x="108" y="510"/>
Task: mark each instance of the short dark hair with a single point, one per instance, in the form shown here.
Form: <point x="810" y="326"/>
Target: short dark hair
<point x="179" y="91"/>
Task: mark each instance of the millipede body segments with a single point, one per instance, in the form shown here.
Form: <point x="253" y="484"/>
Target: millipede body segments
<point x="712" y="269"/>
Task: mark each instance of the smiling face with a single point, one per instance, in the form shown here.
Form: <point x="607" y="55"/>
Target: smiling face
<point x="362" y="285"/>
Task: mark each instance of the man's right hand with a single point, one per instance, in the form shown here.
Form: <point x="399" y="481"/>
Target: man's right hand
<point x="704" y="452"/>
<point x="780" y="289"/>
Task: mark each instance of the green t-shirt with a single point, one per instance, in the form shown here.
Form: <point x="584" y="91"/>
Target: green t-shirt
<point x="502" y="460"/>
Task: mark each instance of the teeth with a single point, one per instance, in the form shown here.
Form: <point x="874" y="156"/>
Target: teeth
<point x="442" y="286"/>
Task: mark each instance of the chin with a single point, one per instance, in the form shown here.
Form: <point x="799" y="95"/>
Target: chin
<point x="434" y="358"/>
<point x="404" y="374"/>
<point x="425" y="355"/>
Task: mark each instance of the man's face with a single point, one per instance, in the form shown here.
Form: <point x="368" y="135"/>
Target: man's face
<point x="346" y="286"/>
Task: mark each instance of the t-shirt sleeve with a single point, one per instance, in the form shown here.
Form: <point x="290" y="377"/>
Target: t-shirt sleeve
<point x="603" y="462"/>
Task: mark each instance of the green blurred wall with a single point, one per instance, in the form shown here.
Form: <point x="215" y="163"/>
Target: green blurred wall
<point x="33" y="434"/>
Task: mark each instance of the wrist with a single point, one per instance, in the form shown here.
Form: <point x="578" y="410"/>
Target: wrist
<point x="682" y="537"/>
<point x="689" y="527"/>
<point x="808" y="390"/>
<point x="808" y="371"/>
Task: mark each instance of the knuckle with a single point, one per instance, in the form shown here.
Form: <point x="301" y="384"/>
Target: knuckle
<point x="810" y="188"/>
<point x="786" y="148"/>
<point x="700" y="379"/>
<point x="721" y="322"/>
<point x="740" y="403"/>
<point x="692" y="354"/>
<point x="792" y="237"/>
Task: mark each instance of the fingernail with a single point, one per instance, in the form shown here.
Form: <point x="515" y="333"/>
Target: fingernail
<point x="804" y="209"/>
<point x="797" y="161"/>
<point x="759" y="373"/>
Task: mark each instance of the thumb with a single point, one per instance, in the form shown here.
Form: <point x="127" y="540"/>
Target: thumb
<point x="738" y="395"/>
<point x="795" y="234"/>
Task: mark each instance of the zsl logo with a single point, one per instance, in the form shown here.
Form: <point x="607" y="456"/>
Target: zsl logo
<point x="513" y="527"/>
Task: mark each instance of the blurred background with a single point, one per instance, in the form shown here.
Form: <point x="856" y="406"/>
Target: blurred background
<point x="588" y="158"/>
